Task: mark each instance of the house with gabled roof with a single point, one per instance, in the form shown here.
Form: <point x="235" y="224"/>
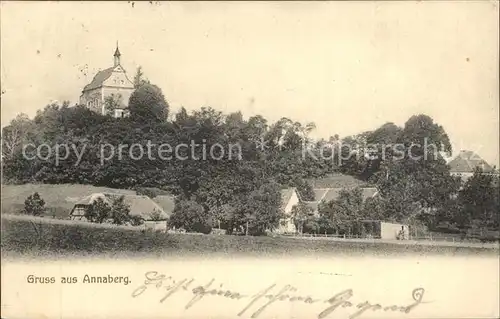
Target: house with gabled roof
<point x="152" y="214"/>
<point x="325" y="189"/>
<point x="113" y="82"/>
<point x="464" y="164"/>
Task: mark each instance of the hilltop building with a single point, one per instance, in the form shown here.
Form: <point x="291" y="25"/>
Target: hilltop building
<point x="113" y="82"/>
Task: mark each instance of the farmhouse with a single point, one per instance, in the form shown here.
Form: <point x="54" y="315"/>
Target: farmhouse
<point x="464" y="164"/>
<point x="153" y="215"/>
<point x="326" y="189"/>
<point x="111" y="82"/>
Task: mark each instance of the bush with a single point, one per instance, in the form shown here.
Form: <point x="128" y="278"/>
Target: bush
<point x="191" y="216"/>
<point x="98" y="211"/>
<point x="156" y="216"/>
<point x="34" y="205"/>
<point x="136" y="220"/>
<point x="119" y="212"/>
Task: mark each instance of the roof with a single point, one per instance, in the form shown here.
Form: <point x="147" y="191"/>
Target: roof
<point x="286" y="194"/>
<point x="99" y="79"/>
<point x="337" y="181"/>
<point x="329" y="194"/>
<point x="140" y="205"/>
<point x="166" y="202"/>
<point x="117" y="52"/>
<point x="334" y="193"/>
<point x="467" y="161"/>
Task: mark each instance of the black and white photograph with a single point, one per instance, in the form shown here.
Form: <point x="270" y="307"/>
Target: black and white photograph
<point x="250" y="159"/>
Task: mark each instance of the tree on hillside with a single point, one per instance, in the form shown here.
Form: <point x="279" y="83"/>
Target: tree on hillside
<point x="34" y="205"/>
<point x="147" y="103"/>
<point x="428" y="138"/>
<point x="17" y="133"/>
<point x="414" y="180"/>
<point x="352" y="154"/>
<point x="381" y="145"/>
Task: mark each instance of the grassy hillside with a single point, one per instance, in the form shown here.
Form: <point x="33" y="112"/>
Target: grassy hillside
<point x="59" y="199"/>
<point x="41" y="237"/>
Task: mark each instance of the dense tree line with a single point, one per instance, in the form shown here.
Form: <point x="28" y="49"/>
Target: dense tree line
<point x="236" y="186"/>
<point x="232" y="169"/>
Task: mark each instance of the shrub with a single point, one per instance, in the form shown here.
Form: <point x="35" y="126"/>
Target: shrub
<point x="155" y="216"/>
<point x="34" y="205"/>
<point x="98" y="211"/>
<point x="136" y="220"/>
<point x="191" y="216"/>
<point x="120" y="212"/>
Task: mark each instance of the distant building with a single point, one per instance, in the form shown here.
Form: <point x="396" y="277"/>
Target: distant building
<point x="112" y="81"/>
<point x="139" y="205"/>
<point x="289" y="198"/>
<point x="466" y="162"/>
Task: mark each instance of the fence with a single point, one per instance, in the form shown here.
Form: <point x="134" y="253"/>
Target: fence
<point x="428" y="238"/>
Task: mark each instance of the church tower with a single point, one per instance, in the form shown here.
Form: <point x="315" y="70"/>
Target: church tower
<point x="111" y="82"/>
<point x="117" y="55"/>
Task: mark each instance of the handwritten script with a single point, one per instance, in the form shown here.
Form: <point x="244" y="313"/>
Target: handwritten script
<point x="256" y="304"/>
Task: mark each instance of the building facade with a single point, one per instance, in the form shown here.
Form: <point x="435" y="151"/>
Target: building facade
<point x="112" y="85"/>
<point x="289" y="198"/>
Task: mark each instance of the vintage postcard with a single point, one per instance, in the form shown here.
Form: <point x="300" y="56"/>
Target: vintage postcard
<point x="250" y="159"/>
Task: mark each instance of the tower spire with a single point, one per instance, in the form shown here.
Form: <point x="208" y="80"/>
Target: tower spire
<point x="117" y="55"/>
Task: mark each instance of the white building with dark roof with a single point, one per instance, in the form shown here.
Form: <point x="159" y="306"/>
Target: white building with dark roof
<point x="289" y="198"/>
<point x="113" y="82"/>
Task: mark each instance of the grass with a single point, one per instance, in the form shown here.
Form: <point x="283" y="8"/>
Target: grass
<point x="59" y="199"/>
<point x="41" y="237"/>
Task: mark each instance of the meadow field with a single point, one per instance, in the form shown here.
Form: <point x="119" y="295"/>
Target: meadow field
<point x="32" y="237"/>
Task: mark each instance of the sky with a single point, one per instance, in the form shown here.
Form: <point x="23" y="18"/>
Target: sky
<point x="346" y="66"/>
